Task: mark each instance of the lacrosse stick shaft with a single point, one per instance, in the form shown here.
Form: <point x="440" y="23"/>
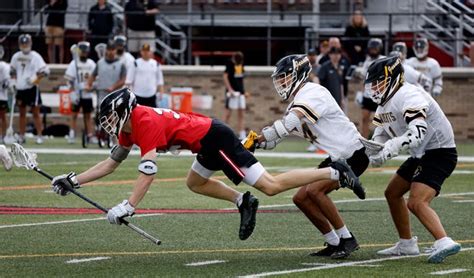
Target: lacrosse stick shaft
<point x="83" y="197"/>
<point x="12" y="110"/>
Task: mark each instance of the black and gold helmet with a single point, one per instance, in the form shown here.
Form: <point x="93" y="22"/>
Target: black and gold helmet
<point x="384" y="77"/>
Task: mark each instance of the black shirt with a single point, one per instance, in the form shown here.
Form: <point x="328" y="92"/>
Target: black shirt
<point x="56" y="13"/>
<point x="137" y="20"/>
<point x="235" y="74"/>
<point x="332" y="79"/>
<point x="346" y="65"/>
<point x="101" y="21"/>
<point x="356" y="36"/>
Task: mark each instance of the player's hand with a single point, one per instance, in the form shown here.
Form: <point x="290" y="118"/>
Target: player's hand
<point x="12" y="85"/>
<point x="120" y="211"/>
<point x="390" y="150"/>
<point x="359" y="98"/>
<point x="63" y="184"/>
<point x="436" y="91"/>
<point x="425" y="82"/>
<point x="32" y="80"/>
<point x="266" y="145"/>
<point x="109" y="90"/>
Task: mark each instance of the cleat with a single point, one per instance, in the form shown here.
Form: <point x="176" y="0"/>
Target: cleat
<point x="326" y="252"/>
<point x="402" y="249"/>
<point x="248" y="215"/>
<point x="345" y="248"/>
<point x="5" y="158"/>
<point x="348" y="179"/>
<point x="39" y="140"/>
<point x="440" y="251"/>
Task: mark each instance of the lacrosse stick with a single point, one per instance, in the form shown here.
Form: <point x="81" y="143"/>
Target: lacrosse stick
<point x="100" y="50"/>
<point x="9" y="136"/>
<point x="371" y="147"/>
<point x="75" y="56"/>
<point x="22" y="158"/>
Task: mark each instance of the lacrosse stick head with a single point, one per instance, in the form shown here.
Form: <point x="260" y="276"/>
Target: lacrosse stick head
<point x="371" y="147"/>
<point x="100" y="50"/>
<point x="23" y="158"/>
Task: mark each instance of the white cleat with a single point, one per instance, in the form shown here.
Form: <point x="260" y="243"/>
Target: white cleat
<point x="443" y="248"/>
<point x="39" y="140"/>
<point x="409" y="248"/>
<point x="5" y="158"/>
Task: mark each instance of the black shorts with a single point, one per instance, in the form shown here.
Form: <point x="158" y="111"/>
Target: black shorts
<point x="358" y="162"/>
<point x="3" y="105"/>
<point x="431" y="169"/>
<point x="147" y="101"/>
<point x="29" y="97"/>
<point x="222" y="150"/>
<point x="85" y="104"/>
<point x="369" y="104"/>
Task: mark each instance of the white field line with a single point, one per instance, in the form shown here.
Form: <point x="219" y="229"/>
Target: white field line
<point x="331" y="266"/>
<point x="188" y="153"/>
<point x="322" y="264"/>
<point x="449" y="271"/>
<point x="69" y="221"/>
<point x="77" y="261"/>
<point x="205" y="263"/>
<point x="463" y="201"/>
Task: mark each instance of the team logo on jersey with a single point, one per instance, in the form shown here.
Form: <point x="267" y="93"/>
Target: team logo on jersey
<point x="385" y="117"/>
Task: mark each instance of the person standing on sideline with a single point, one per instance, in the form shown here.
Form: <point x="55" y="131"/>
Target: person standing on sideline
<point x="357" y="34"/>
<point x="101" y="24"/>
<point x="145" y="78"/>
<point x="4" y="87"/>
<point x="56" y="11"/>
<point x="331" y="75"/>
<point x="77" y="74"/>
<point x="27" y="70"/>
<point x="235" y="92"/>
<point x="122" y="54"/>
<point x="140" y="22"/>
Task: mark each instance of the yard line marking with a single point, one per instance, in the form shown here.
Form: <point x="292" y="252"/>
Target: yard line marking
<point x="337" y="265"/>
<point x="463" y="201"/>
<point x="77" y="261"/>
<point x="449" y="271"/>
<point x="205" y="263"/>
<point x="323" y="264"/>
<point x="70" y="221"/>
<point x="202" y="251"/>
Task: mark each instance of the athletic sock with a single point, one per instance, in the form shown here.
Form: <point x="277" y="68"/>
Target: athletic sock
<point x="405" y="241"/>
<point x="238" y="199"/>
<point x="343" y="232"/>
<point x="332" y="238"/>
<point x="334" y="174"/>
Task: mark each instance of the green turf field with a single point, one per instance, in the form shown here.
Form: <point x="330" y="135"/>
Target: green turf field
<point x="54" y="245"/>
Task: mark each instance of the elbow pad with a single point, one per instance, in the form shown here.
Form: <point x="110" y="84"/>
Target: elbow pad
<point x="415" y="134"/>
<point x="282" y="128"/>
<point x="119" y="153"/>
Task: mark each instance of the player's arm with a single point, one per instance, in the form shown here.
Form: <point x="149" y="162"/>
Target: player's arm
<point x="92" y="78"/>
<point x="101" y="169"/>
<point x="274" y="134"/>
<point x="225" y="77"/>
<point x="147" y="169"/>
<point x="119" y="84"/>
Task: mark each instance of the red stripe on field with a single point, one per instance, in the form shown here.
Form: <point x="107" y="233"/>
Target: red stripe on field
<point x="77" y="211"/>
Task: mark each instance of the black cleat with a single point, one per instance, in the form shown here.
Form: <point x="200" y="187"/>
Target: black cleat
<point x="248" y="215"/>
<point x="348" y="179"/>
<point x="326" y="252"/>
<point x="345" y="248"/>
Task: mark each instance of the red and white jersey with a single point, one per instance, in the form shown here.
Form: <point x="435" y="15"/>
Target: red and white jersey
<point x="165" y="130"/>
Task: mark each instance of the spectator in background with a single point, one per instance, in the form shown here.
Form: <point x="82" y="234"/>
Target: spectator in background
<point x="312" y="57"/>
<point x="140" y="22"/>
<point x="122" y="54"/>
<point x="323" y="50"/>
<point x="56" y="11"/>
<point x="145" y="78"/>
<point x="356" y="37"/>
<point x="235" y="92"/>
<point x="332" y="73"/>
<point x="101" y="23"/>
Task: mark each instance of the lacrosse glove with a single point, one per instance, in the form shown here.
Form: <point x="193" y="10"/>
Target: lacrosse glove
<point x="120" y="211"/>
<point x="63" y="184"/>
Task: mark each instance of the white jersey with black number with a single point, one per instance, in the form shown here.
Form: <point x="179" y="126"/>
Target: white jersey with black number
<point x="4" y="79"/>
<point x="407" y="104"/>
<point x="429" y="67"/>
<point x="324" y="123"/>
<point x="84" y="71"/>
<point x="27" y="66"/>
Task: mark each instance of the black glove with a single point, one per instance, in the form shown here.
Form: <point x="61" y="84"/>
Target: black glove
<point x="63" y="184"/>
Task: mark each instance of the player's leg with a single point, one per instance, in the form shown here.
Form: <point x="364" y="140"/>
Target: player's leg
<point x="365" y="129"/>
<point x="73" y="124"/>
<point x="211" y="187"/>
<point x="38" y="124"/>
<point x="241" y="123"/>
<point x="22" y="120"/>
<point x="3" y="119"/>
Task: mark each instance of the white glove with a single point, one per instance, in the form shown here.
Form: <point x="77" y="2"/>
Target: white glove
<point x="266" y="145"/>
<point x="359" y="98"/>
<point x="120" y="211"/>
<point x="436" y="91"/>
<point x="390" y="150"/>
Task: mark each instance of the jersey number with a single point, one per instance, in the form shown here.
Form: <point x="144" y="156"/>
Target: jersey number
<point x="164" y="112"/>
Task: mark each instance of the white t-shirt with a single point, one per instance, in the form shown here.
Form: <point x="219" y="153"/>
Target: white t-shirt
<point x="4" y="78"/>
<point x="408" y="103"/>
<point x="324" y="123"/>
<point x="26" y="67"/>
<point x="127" y="59"/>
<point x="144" y="77"/>
<point x="429" y="67"/>
<point x="85" y="71"/>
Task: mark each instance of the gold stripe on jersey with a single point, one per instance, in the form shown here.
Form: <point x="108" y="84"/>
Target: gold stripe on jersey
<point x="309" y="113"/>
<point x="376" y="121"/>
<point x="413" y="113"/>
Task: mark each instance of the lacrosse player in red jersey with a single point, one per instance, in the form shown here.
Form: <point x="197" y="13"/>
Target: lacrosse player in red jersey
<point x="217" y="148"/>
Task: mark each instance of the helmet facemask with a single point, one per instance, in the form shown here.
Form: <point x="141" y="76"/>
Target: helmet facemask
<point x="421" y="48"/>
<point x="284" y="84"/>
<point x="378" y="89"/>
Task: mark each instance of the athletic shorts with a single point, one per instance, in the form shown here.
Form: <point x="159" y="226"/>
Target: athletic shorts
<point x="358" y="162"/>
<point x="235" y="102"/>
<point x="369" y="104"/>
<point x="222" y="150"/>
<point x="147" y="101"/>
<point x="54" y="35"/>
<point x="431" y="169"/>
<point x="84" y="103"/>
<point x="3" y="105"/>
<point x="29" y="97"/>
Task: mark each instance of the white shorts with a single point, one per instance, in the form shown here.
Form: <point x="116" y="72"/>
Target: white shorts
<point x="236" y="101"/>
<point x="251" y="174"/>
<point x="136" y="39"/>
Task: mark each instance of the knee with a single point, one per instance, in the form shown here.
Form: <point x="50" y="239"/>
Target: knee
<point x="194" y="187"/>
<point x="415" y="205"/>
<point x="299" y="198"/>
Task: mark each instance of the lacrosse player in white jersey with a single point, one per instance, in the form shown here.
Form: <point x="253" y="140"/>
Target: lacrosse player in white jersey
<point x="315" y="115"/>
<point x="27" y="70"/>
<point x="4" y="86"/>
<point x="426" y="65"/>
<point x="409" y="119"/>
<point x="77" y="74"/>
<point x="122" y="54"/>
<point x="5" y="158"/>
